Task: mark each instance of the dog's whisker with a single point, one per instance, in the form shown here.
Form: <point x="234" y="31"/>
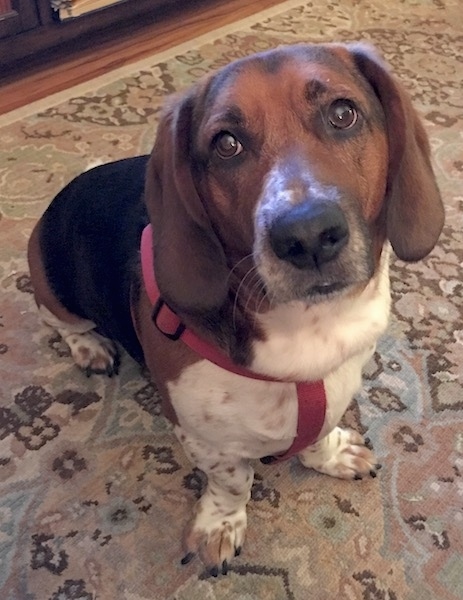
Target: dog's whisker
<point x="264" y="293"/>
<point x="233" y="269"/>
<point x="252" y="272"/>
<point x="251" y="295"/>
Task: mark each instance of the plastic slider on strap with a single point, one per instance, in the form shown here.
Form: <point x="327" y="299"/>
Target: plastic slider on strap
<point x="268" y="460"/>
<point x="167" y="321"/>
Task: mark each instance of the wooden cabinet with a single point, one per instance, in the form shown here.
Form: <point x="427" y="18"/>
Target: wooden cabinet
<point x="17" y="16"/>
<point x="30" y="28"/>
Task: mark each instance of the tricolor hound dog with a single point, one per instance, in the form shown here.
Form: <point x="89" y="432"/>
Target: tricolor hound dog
<point x="260" y="284"/>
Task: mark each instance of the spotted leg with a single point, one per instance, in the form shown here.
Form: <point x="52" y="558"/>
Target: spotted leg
<point x="217" y="529"/>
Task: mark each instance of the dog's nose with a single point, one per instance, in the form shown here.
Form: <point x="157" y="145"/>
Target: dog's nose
<point x="309" y="235"/>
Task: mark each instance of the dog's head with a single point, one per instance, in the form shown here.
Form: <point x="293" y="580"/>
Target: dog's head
<point x="289" y="169"/>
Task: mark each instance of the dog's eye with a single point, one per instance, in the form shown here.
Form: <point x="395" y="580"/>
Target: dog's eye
<point x="227" y="146"/>
<point x="342" y="114"/>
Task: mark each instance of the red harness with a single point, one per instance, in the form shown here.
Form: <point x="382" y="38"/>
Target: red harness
<point x="311" y="394"/>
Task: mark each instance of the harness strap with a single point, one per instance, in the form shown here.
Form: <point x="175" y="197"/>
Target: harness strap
<point x="310" y="394"/>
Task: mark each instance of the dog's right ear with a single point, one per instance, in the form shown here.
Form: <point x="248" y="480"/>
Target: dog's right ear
<point x="189" y="261"/>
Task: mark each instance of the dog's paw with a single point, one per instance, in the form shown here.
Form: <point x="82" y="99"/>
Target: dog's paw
<point x="216" y="538"/>
<point x="94" y="353"/>
<point x="342" y="453"/>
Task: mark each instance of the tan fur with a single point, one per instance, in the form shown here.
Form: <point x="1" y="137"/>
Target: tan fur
<point x="43" y="294"/>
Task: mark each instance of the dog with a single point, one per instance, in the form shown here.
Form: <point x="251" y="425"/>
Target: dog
<point x="245" y="262"/>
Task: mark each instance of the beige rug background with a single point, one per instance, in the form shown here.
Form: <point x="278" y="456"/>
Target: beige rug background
<point x="94" y="490"/>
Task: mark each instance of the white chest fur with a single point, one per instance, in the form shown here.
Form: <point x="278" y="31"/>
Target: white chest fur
<point x="251" y="418"/>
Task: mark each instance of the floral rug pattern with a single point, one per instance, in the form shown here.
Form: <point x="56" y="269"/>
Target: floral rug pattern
<point x="94" y="489"/>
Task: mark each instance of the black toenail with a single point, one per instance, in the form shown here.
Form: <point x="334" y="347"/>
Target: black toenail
<point x="238" y="551"/>
<point x="224" y="567"/>
<point x="214" y="571"/>
<point x="187" y="558"/>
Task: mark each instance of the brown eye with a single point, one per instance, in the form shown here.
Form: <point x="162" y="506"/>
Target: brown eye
<point x="342" y="114"/>
<point x="227" y="146"/>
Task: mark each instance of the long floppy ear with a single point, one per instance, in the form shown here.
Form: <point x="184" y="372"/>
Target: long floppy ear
<point x="189" y="260"/>
<point x="415" y="213"/>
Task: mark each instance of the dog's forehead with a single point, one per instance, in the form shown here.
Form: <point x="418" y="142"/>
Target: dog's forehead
<point x="281" y="70"/>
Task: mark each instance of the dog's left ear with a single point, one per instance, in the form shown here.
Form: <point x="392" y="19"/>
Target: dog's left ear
<point x="415" y="213"/>
<point x="190" y="263"/>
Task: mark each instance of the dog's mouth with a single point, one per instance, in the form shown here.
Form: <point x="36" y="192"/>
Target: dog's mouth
<point x="285" y="285"/>
<point x="326" y="289"/>
<point x="314" y="294"/>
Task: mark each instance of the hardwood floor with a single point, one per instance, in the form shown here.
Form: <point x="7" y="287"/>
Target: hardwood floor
<point x="64" y="68"/>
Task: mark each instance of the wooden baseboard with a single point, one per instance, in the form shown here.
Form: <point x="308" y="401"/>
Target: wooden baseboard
<point x="62" y="68"/>
<point x="27" y="47"/>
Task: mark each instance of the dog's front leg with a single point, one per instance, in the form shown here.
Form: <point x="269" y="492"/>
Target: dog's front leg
<point x="217" y="529"/>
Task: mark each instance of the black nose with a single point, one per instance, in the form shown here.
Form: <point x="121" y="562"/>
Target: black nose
<point x="309" y="235"/>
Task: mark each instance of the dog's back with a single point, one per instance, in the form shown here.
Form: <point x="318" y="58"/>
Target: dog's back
<point x="89" y="239"/>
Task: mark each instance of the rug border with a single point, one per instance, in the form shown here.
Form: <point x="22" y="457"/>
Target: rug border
<point x="80" y="89"/>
